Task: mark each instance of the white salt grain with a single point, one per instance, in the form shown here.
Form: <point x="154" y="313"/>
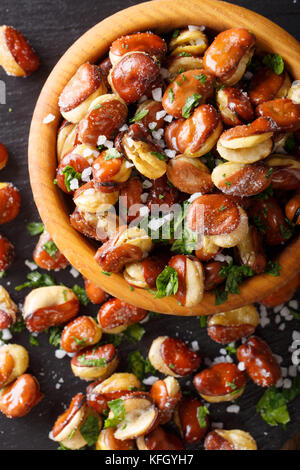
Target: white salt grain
<point x="74" y="272"/>
<point x="150" y="380"/>
<point x="233" y="409"/>
<point x="60" y="353"/>
<point x="157" y="94"/>
<point x="48" y="118"/>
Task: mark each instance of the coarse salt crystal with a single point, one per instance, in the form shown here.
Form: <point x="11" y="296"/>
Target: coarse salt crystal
<point x="144" y="197"/>
<point x="85" y="175"/>
<point x="168" y="118"/>
<point x="287" y="383"/>
<point x="264" y="322"/>
<point x="292" y="371"/>
<point x="294" y="304"/>
<point x="221" y="257"/>
<point x="74" y="184"/>
<point x="6" y="334"/>
<point x="123" y="128"/>
<point x="101" y="140"/>
<point x="284" y="311"/>
<point x="296" y="357"/>
<point x="170" y="153"/>
<point x="277" y="319"/>
<point x="30" y="264"/>
<point x="157" y="94"/>
<point x="48" y="118"/>
<point x="281" y="327"/>
<point x="233" y="409"/>
<point x="109" y="144"/>
<point x="150" y="380"/>
<point x="160" y="114"/>
<point x="60" y="353"/>
<point x="57" y="386"/>
<point x="74" y="272"/>
<point x="147" y="184"/>
<point x="278" y="308"/>
<point x="241" y="366"/>
<point x="217" y="425"/>
<point x="155" y="224"/>
<point x="152" y="125"/>
<point x="157" y="135"/>
<point x="193" y="27"/>
<point x="296" y="335"/>
<point x="223" y="352"/>
<point x="195" y="345"/>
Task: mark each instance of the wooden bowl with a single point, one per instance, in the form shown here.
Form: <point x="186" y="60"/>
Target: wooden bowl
<point x="157" y="15"/>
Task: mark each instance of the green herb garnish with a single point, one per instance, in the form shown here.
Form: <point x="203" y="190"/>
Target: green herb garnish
<point x="70" y="174"/>
<point x="140" y="115"/>
<point x="166" y="283"/>
<point x="273" y="268"/>
<point x="97" y="362"/>
<point x="50" y="248"/>
<point x="202" y="412"/>
<point x="90" y="430"/>
<point x="111" y="154"/>
<point x="81" y="294"/>
<point x="134" y="332"/>
<point x="170" y="95"/>
<point x="33" y="341"/>
<point x="118" y="410"/>
<point x="158" y="155"/>
<point x="35" y="228"/>
<point x="36" y="279"/>
<point x="275" y="62"/>
<point x="191" y="102"/>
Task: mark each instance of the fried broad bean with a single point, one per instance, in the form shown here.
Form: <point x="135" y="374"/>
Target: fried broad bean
<point x="268" y="216"/>
<point x="189" y="175"/>
<point x="285" y="171"/>
<point x="140" y="417"/>
<point x="14" y="360"/>
<point x="99" y="226"/>
<point x="125" y="246"/>
<point x="144" y="273"/>
<point x="133" y="75"/>
<point x="171" y="356"/>
<point x="235" y="439"/>
<point x="292" y="209"/>
<point x="115" y="315"/>
<point x="212" y="274"/>
<point x="65" y="141"/>
<point x="95" y="294"/>
<point x="193" y="84"/>
<point x="229" y="54"/>
<point x="69" y="171"/>
<point x="190" y="279"/>
<point x="106" y="114"/>
<point x="148" y="42"/>
<point x="193" y="42"/>
<point x="250" y="251"/>
<point x="261" y="364"/>
<point x="153" y="115"/>
<point x="247" y="143"/>
<point x="16" y="56"/>
<point x="141" y="149"/>
<point x="234" y="106"/>
<point x="112" y="167"/>
<point x="187" y="417"/>
<point x="91" y="198"/>
<point x="221" y="382"/>
<point x="46" y="254"/>
<point x="81" y="332"/>
<point x="283" y="112"/>
<point x="294" y="92"/>
<point x="18" y="398"/>
<point x="107" y="441"/>
<point x="233" y="325"/>
<point x="242" y="180"/>
<point x="95" y="362"/>
<point x="266" y="85"/>
<point x="130" y="200"/>
<point x="171" y="132"/>
<point x="8" y="310"/>
<point x="159" y="439"/>
<point x="86" y="85"/>
<point x="162" y="196"/>
<point x="49" y="306"/>
<point x="283" y="294"/>
<point x="3" y="156"/>
<point x="206" y="249"/>
<point x="7" y="254"/>
<point x="10" y="202"/>
<point x="198" y="134"/>
<point x="166" y="394"/>
<point x="178" y="64"/>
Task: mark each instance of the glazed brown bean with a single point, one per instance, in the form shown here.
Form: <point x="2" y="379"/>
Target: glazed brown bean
<point x="107" y="169"/>
<point x="185" y="86"/>
<point x="228" y="56"/>
<point x="83" y="84"/>
<point x="76" y="407"/>
<point x="105" y="118"/>
<point x="99" y="401"/>
<point x="115" y="314"/>
<point x="107" y="441"/>
<point x="17" y="56"/>
<point x="186" y="418"/>
<point x="233" y="325"/>
<point x="265" y="85"/>
<point x="178" y="357"/>
<point x="269" y="218"/>
<point x="105" y="67"/>
<point x="159" y="439"/>
<point x="81" y="332"/>
<point x="161" y="196"/>
<point x="213" y="214"/>
<point x="152" y="116"/>
<point x="70" y="167"/>
<point x="95" y="294"/>
<point x="212" y="277"/>
<point x="189" y="175"/>
<point x="237" y="179"/>
<point x="10" y="202"/>
<point x="261" y="365"/>
<point x="234" y="439"/>
<point x="95" y="362"/>
<point x="3" y="156"/>
<point x="7" y="364"/>
<point x="292" y="209"/>
<point x="8" y="309"/>
<point x="54" y="261"/>
<point x="262" y="126"/>
<point x="165" y="394"/>
<point x="7" y="253"/>
<point x="283" y="112"/>
<point x="138" y="42"/>
<point x="125" y="246"/>
<point x="214" y="441"/>
<point x="178" y="64"/>
<point x="18" y="398"/>
<point x="285" y="172"/>
<point x="221" y="382"/>
<point x="49" y="306"/>
<point x="198" y="134"/>
<point x="190" y="279"/>
<point x="283" y="294"/>
<point x="234" y="106"/>
<point x="132" y="76"/>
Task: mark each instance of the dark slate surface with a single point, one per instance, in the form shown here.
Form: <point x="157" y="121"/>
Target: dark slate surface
<point x="52" y="27"/>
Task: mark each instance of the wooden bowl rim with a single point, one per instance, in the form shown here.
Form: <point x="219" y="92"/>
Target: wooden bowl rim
<point x="158" y="15"/>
